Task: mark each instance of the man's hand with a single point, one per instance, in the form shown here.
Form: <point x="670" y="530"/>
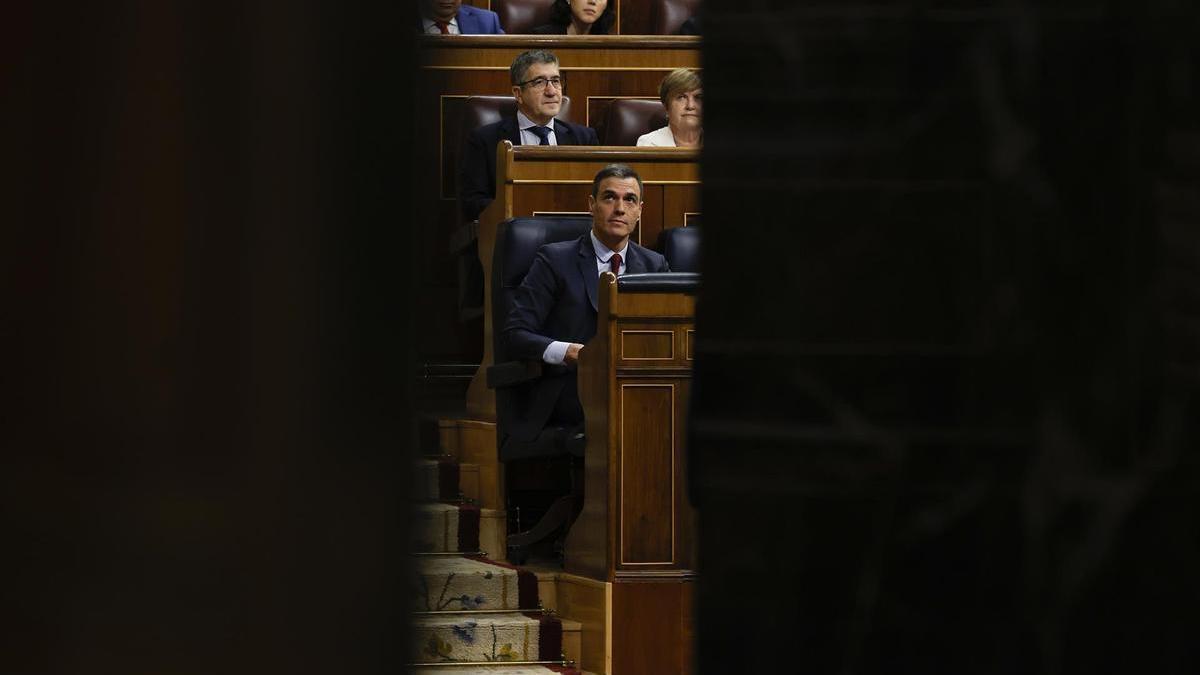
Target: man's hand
<point x="572" y="355"/>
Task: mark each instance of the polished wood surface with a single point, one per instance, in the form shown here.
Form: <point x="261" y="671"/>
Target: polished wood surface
<point x="652" y="627"/>
<point x="590" y="603"/>
<point x="532" y="180"/>
<point x="636" y="524"/>
<point x="473" y="442"/>
<point x="598" y="69"/>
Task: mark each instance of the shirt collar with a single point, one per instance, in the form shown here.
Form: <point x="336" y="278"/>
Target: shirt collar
<point x="603" y="252"/>
<point x="524" y="122"/>
<point x="430" y="23"/>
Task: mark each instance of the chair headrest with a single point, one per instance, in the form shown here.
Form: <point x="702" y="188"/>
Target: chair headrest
<point x="481" y="110"/>
<point x="669" y="15"/>
<point x="681" y="247"/>
<point x="518" y="17"/>
<point x="519" y="239"/>
<point x="659" y="282"/>
<point x="628" y="118"/>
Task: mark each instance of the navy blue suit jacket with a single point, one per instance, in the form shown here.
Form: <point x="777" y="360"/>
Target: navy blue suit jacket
<point x="477" y="165"/>
<point x="474" y="21"/>
<point x="558" y="300"/>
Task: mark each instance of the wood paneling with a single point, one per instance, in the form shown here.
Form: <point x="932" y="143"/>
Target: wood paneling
<point x="647" y="345"/>
<point x="636" y="521"/>
<point x="635" y="17"/>
<point x="652" y="627"/>
<point x="590" y="603"/>
<point x="647" y="463"/>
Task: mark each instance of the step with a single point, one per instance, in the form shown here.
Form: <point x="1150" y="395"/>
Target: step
<point x="437" y="479"/>
<point x="450" y="669"/>
<point x="502" y="637"/>
<point x="471" y="583"/>
<point x="452" y="528"/>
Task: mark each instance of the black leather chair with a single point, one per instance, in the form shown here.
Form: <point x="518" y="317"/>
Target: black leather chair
<point x="681" y="247"/>
<point x="517" y="242"/>
<point x="628" y="118"/>
<point x="481" y="110"/>
<point x="518" y="17"/>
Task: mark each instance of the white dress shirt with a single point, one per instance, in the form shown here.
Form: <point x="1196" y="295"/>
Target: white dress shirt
<point x="530" y="138"/>
<point x="556" y="351"/>
<point x="432" y="28"/>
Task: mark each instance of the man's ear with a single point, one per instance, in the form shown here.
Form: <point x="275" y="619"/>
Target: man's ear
<point x="591" y="202"/>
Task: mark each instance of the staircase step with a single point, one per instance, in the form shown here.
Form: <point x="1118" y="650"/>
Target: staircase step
<point x="458" y="528"/>
<point x="487" y="637"/>
<point x="497" y="669"/>
<point x="443" y="528"/>
<point x="437" y="479"/>
<point x="473" y="583"/>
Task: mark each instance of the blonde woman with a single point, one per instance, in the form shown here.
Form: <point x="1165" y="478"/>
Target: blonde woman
<point x="682" y="97"/>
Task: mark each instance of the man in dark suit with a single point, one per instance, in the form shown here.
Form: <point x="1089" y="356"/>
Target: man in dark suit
<point x="451" y="17"/>
<point x="537" y="86"/>
<point x="554" y="309"/>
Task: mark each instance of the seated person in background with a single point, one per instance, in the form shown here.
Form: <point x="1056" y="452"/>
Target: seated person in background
<point x="579" y="17"/>
<point x="554" y="309"/>
<point x="451" y="17"/>
<point x="538" y="87"/>
<point x="682" y="97"/>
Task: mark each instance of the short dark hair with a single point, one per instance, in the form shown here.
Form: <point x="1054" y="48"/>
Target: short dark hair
<point x="616" y="171"/>
<point x="520" y="65"/>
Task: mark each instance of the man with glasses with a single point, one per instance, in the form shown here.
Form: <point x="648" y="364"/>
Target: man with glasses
<point x="537" y="85"/>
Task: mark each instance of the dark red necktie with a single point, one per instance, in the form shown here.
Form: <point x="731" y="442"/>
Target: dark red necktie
<point x="616" y="264"/>
<point x="443" y="26"/>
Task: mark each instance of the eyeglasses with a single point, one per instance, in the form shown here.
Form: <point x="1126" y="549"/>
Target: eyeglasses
<point x="540" y="83"/>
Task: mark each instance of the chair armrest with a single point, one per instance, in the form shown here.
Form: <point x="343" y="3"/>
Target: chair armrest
<point x="512" y="373"/>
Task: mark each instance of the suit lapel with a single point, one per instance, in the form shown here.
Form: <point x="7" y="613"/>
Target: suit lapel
<point x="511" y="130"/>
<point x="635" y="263"/>
<point x="563" y="134"/>
<point x="587" y="269"/>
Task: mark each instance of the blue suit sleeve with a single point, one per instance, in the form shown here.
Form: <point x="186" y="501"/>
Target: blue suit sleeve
<point x="532" y="303"/>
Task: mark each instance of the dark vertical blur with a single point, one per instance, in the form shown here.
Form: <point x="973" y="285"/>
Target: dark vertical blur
<point x="945" y="413"/>
<point x="206" y="337"/>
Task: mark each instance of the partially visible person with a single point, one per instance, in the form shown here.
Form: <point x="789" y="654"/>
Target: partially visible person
<point x="690" y="27"/>
<point x="554" y="309"/>
<point x="579" y="17"/>
<point x="682" y="97"/>
<point x="537" y="85"/>
<point x="451" y="17"/>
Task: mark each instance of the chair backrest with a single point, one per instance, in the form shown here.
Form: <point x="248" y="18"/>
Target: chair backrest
<point x="628" y="118"/>
<point x="681" y="248"/>
<point x="518" y="17"/>
<point x="481" y="110"/>
<point x="517" y="242"/>
<point x="668" y="15"/>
